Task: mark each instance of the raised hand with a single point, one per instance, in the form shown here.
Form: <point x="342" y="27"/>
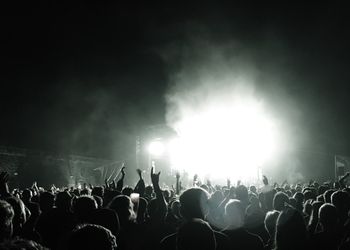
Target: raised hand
<point x="155" y="177"/>
<point x="177" y="175"/>
<point x="113" y="184"/>
<point x="106" y="183"/>
<point x="139" y="172"/>
<point x="123" y="171"/>
<point x="195" y="180"/>
<point x="228" y="183"/>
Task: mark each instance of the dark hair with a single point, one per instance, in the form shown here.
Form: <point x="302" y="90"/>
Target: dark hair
<point x="83" y="206"/>
<point x="327" y="216"/>
<point x="123" y="206"/>
<point x="279" y="201"/>
<point x="91" y="237"/>
<point x="194" y="203"/>
<point x="22" y="244"/>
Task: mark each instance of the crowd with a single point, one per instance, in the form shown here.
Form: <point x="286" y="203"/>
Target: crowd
<point x="113" y="216"/>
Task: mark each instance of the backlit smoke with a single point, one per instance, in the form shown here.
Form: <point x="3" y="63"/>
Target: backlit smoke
<point x="225" y="123"/>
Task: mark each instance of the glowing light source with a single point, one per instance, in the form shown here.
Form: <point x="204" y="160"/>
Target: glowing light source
<point x="225" y="140"/>
<point x="156" y="148"/>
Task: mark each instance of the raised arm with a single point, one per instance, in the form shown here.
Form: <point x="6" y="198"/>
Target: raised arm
<point x="120" y="183"/>
<point x="178" y="183"/>
<point x="140" y="186"/>
<point x="162" y="206"/>
<point x="4" y="189"/>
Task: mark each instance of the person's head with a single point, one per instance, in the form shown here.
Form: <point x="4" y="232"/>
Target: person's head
<point x="195" y="234"/>
<point x="215" y="199"/>
<point x="194" y="203"/>
<point x="22" y="244"/>
<point x="148" y="191"/>
<point x="27" y="194"/>
<point x="341" y="200"/>
<point x="254" y="201"/>
<point x="83" y="206"/>
<point x="123" y="205"/>
<point x="327" y="195"/>
<point x="234" y="214"/>
<point x="47" y="200"/>
<point x="99" y="191"/>
<point x="242" y="193"/>
<point x="253" y="189"/>
<point x="279" y="201"/>
<point x="309" y="195"/>
<point x="327" y="215"/>
<point x="299" y="196"/>
<point x="91" y="237"/>
<point x="64" y="201"/>
<point x="127" y="191"/>
<point x="321" y="189"/>
<point x="290" y="230"/>
<point x="6" y="217"/>
<point x="270" y="222"/>
<point x="85" y="191"/>
<point x="166" y="194"/>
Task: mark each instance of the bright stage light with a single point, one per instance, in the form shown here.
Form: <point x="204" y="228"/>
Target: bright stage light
<point x="225" y="141"/>
<point x="156" y="148"/>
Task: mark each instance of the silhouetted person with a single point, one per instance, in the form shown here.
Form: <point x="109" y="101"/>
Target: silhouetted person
<point x="195" y="234"/>
<point x="270" y="226"/>
<point x="194" y="205"/>
<point x="6" y="217"/>
<point x="55" y="224"/>
<point x="239" y="237"/>
<point x="327" y="238"/>
<point x="291" y="231"/>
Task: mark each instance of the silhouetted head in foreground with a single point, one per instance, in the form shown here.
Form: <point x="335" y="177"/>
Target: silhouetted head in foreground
<point x="91" y="237"/>
<point x="270" y="222"/>
<point x="196" y="234"/>
<point x="234" y="214"/>
<point x="123" y="205"/>
<point x="290" y="230"/>
<point x="328" y="217"/>
<point x="279" y="201"/>
<point x="21" y="244"/>
<point x="194" y="203"/>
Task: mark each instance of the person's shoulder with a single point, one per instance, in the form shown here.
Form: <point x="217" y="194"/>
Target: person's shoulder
<point x="168" y="242"/>
<point x="222" y="240"/>
<point x="220" y="235"/>
<point x="169" y="238"/>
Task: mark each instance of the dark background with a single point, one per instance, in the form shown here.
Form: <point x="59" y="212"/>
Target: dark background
<point x="88" y="77"/>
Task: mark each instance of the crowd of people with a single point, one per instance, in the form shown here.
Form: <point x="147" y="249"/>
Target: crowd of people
<point x="204" y="216"/>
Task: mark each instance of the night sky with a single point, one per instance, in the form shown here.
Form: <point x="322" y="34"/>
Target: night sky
<point x="87" y="77"/>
